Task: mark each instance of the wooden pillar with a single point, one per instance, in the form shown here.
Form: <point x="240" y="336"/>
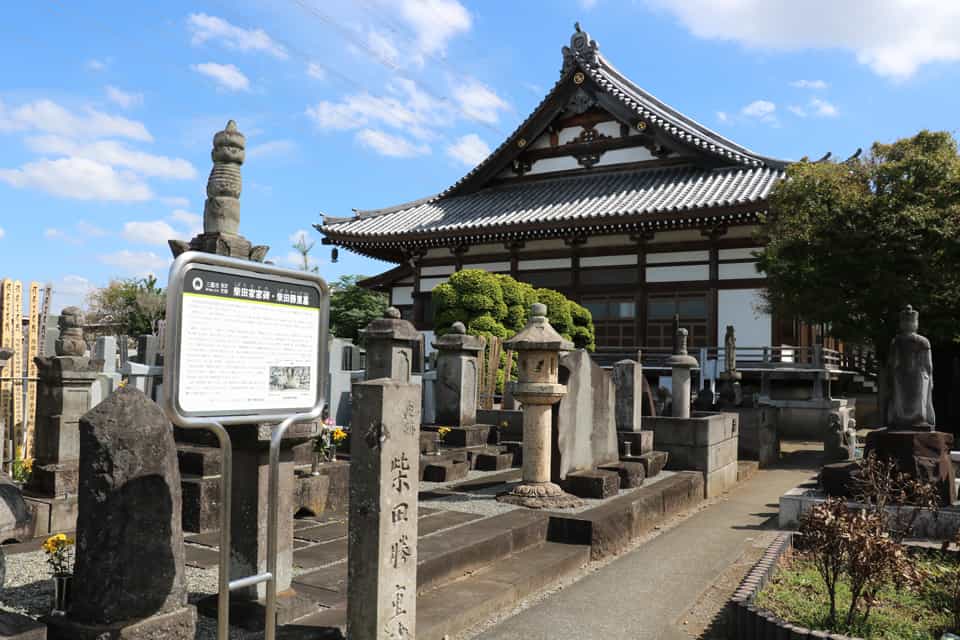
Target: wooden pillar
<point x="642" y="239"/>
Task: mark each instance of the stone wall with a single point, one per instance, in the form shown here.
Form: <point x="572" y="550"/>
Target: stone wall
<point x="705" y="442"/>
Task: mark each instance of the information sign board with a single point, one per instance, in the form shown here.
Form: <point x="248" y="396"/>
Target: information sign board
<point x="246" y="342"/>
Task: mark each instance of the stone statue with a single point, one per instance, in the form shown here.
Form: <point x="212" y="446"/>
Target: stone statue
<point x="730" y="350"/>
<point x="680" y="342"/>
<point x="910" y="406"/>
<point x="839" y="442"/>
<point x="70" y="342"/>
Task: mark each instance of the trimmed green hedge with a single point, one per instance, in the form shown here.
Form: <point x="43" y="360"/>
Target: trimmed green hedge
<point x="496" y="304"/>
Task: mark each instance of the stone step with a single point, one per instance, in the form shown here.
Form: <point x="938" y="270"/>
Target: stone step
<point x="493" y="461"/>
<point x="445" y="470"/>
<point x="453" y="606"/>
<point x="14" y="626"/>
<point x="198" y="459"/>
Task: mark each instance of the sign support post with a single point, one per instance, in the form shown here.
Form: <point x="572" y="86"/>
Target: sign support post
<point x="271" y="324"/>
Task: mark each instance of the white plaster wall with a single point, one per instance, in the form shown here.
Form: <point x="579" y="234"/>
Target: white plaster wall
<point x="548" y="165"/>
<point x="609" y="241"/>
<point x="737" y="254"/>
<point x="548" y="263"/>
<point x="739" y="270"/>
<point x="538" y="245"/>
<point x="677" y="236"/>
<point x="429" y="284"/>
<point x="401" y="296"/>
<point x="678" y="256"/>
<point x="438" y="270"/>
<point x="676" y="274"/>
<point x="607" y="261"/>
<point x="739" y="307"/>
<point x="621" y="156"/>
<point x="492" y="267"/>
<point x="741" y="231"/>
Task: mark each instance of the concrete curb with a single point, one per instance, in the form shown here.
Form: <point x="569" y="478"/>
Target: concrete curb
<point x="747" y="621"/>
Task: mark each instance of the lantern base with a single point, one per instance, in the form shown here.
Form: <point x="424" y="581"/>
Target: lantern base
<point x="540" y="495"/>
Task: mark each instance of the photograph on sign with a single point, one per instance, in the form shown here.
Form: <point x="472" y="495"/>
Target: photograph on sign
<point x="248" y="342"/>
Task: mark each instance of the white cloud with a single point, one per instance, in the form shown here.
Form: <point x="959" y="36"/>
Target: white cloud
<point x="588" y="4"/>
<point x="175" y="201"/>
<point x="78" y="234"/>
<point x="823" y="108"/>
<point x="435" y="22"/>
<point x="78" y="178"/>
<point x="206" y="27"/>
<point x="406" y="108"/>
<point x="89" y="230"/>
<point x="316" y="71"/>
<point x="722" y="116"/>
<point x="892" y="37"/>
<point x="271" y="148"/>
<point x="138" y="263"/>
<point x="117" y="155"/>
<point x="53" y="232"/>
<point x="390" y="145"/>
<point x="97" y="65"/>
<point x="809" y="84"/>
<point x="383" y="47"/>
<point x="479" y="102"/>
<point x="122" y="98"/>
<point x="760" y="109"/>
<point x="49" y="117"/>
<point x="191" y="222"/>
<point x="149" y="232"/>
<point x="70" y="291"/>
<point x="469" y="149"/>
<point x="227" y="76"/>
<point x="798" y="111"/>
<point x="2" y="233"/>
<point x="295" y="259"/>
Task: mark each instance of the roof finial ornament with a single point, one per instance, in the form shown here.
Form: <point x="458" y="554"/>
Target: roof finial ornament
<point x="583" y="49"/>
<point x="576" y="26"/>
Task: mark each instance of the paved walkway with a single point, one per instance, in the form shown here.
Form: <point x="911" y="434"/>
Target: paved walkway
<point x="642" y="595"/>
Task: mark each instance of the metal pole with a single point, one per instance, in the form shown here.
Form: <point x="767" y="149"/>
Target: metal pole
<point x="226" y="485"/>
<point x="273" y="529"/>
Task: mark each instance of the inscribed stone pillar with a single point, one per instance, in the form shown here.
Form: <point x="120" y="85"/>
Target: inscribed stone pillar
<point x="390" y="342"/>
<point x="456" y="386"/>
<point x="681" y="364"/>
<point x="538" y="346"/>
<point x="63" y="395"/>
<point x="628" y="382"/>
<point x="382" y="537"/>
<point x="129" y="578"/>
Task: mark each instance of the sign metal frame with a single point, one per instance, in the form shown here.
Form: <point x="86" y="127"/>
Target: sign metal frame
<point x="216" y="423"/>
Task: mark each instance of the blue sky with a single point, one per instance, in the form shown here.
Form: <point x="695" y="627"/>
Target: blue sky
<point x="107" y="109"/>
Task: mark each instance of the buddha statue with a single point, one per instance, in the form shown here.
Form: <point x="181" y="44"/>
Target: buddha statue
<point x="910" y="406"/>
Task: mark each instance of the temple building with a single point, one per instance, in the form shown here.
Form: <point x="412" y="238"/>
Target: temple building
<point x="606" y="194"/>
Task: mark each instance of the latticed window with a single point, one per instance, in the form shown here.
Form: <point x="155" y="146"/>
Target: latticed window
<point x="614" y="320"/>
<point x="694" y="317"/>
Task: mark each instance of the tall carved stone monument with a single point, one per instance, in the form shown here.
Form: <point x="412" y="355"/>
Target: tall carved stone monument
<point x="456" y="390"/>
<point x="909" y="437"/>
<point x="538" y="346"/>
<point x="382" y="537"/>
<point x="731" y="394"/>
<point x="63" y="395"/>
<point x="221" y="211"/>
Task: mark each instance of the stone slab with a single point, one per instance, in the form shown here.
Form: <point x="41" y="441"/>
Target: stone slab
<point x="924" y="455"/>
<point x="720" y="481"/>
<point x="201" y="503"/>
<point x="509" y="422"/>
<point x="701" y="429"/>
<point x="494" y="461"/>
<point x="599" y="484"/>
<point x="445" y="471"/>
<point x="653" y="462"/>
<point x="632" y="474"/>
<point x="475" y="435"/>
<point x="14" y="626"/>
<point x="322" y="532"/>
<point x="584" y="427"/>
<point x="321" y="554"/>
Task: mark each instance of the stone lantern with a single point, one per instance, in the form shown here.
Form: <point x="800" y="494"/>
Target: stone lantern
<point x="389" y="343"/>
<point x="456" y="394"/>
<point x="538" y="346"/>
<point x="681" y="364"/>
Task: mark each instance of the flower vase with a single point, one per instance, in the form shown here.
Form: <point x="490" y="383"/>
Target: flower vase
<point x="315" y="465"/>
<point x="61" y="593"/>
<point x="333" y="453"/>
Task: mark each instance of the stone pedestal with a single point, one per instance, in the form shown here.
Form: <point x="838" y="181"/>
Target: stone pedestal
<point x="248" y="528"/>
<point x="702" y="442"/>
<point x="456" y="386"/>
<point x="538" y="346"/>
<point x="63" y="395"/>
<point x="382" y="537"/>
<point x="924" y="455"/>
